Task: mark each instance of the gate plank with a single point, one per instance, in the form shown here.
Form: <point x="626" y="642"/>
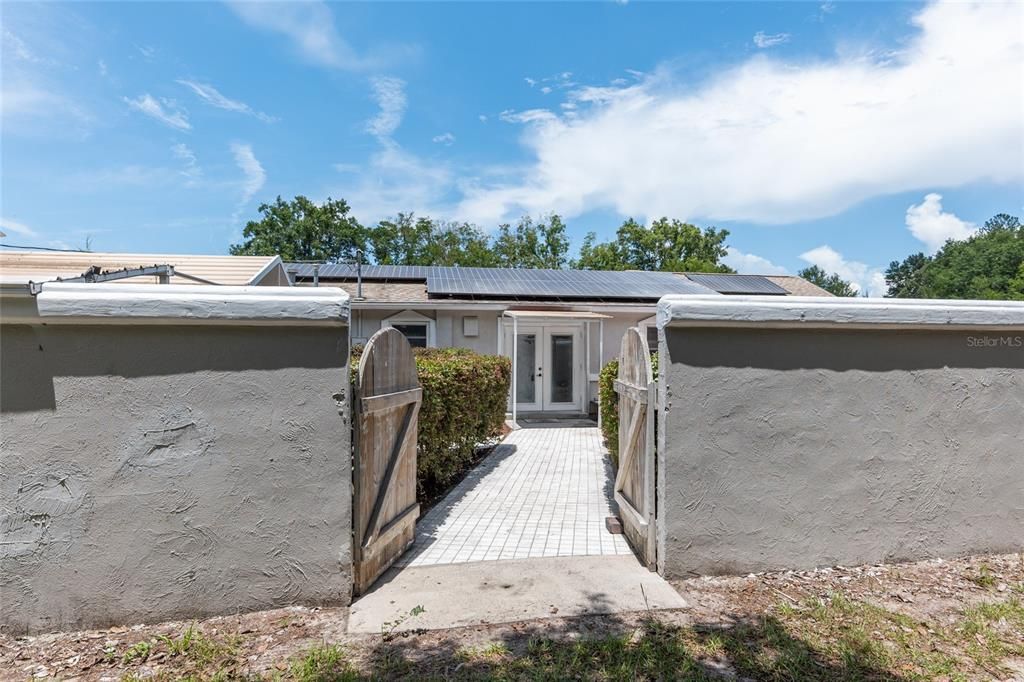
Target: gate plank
<point x="634" y="481"/>
<point x="390" y="401"/>
<point x="386" y="405"/>
<point x="373" y="524"/>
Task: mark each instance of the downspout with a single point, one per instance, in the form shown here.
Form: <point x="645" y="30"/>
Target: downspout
<point x="515" y="369"/>
<point x="600" y="365"/>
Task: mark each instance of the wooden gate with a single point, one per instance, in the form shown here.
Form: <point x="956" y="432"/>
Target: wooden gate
<point x="386" y="409"/>
<point x="634" y="481"/>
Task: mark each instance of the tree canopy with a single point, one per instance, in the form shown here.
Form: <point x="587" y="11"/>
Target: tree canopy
<point x="407" y="240"/>
<point x="830" y="282"/>
<point x="532" y="245"/>
<point x="301" y="230"/>
<point x="666" y="244"/>
<point x="987" y="265"/>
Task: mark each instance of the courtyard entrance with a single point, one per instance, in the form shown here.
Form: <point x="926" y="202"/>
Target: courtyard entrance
<point x="544" y="492"/>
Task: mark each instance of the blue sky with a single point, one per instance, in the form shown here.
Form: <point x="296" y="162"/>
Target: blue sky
<point x="845" y="135"/>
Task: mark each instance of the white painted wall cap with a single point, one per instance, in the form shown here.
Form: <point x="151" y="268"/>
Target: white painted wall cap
<point x="814" y="311"/>
<point x="64" y="303"/>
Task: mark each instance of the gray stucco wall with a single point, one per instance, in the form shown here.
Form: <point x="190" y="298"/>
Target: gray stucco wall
<point x="803" y="448"/>
<point x="155" y="472"/>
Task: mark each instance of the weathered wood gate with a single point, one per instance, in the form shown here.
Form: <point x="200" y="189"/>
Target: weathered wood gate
<point x="635" y="479"/>
<point x="386" y="405"/>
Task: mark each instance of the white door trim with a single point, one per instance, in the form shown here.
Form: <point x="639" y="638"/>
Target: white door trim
<point x="543" y="362"/>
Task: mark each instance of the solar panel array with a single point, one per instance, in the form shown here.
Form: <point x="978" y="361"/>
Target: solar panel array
<point x="396" y="273"/>
<point x="738" y="284"/>
<point x="561" y="284"/>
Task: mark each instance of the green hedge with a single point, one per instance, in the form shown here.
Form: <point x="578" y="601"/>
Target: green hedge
<point x="464" y="399"/>
<point x="609" y="401"/>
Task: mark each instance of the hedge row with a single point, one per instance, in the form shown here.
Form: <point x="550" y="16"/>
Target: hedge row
<point x="609" y="402"/>
<point x="464" y="399"/>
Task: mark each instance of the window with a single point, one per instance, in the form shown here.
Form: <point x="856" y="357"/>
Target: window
<point x="415" y="333"/>
<point x="649" y="328"/>
<point x="418" y="329"/>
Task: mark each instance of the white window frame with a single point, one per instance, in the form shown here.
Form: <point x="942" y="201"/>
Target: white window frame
<point x="413" y="317"/>
<point x="646" y="323"/>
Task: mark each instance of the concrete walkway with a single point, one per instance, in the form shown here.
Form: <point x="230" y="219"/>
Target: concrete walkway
<point x="544" y="492"/>
<point x="459" y="595"/>
<point x="522" y="537"/>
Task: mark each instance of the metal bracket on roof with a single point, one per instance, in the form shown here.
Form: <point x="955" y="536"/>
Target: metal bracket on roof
<point x="95" y="274"/>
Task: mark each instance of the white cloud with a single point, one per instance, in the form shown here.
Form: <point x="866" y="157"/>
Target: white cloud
<point x="530" y="81"/>
<point x="190" y="170"/>
<point x="774" y="141"/>
<point x="527" y="116"/>
<point x="395" y="180"/>
<point x="751" y="264"/>
<point x="862" y="277"/>
<point x="254" y="175"/>
<point x="483" y="118"/>
<point x="309" y="25"/>
<point x="764" y="40"/>
<point x="17" y="47"/>
<point x="212" y="96"/>
<point x="390" y="96"/>
<point x="147" y="51"/>
<point x="14" y="227"/>
<point x="166" y="112"/>
<point x="931" y="225"/>
<point x="447" y="139"/>
<point x="102" y="66"/>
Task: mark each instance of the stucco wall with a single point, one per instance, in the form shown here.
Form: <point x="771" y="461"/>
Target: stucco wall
<point x="796" y="448"/>
<point x="155" y="472"/>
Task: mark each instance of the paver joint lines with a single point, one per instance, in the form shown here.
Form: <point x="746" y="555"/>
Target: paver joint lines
<point x="544" y="492"/>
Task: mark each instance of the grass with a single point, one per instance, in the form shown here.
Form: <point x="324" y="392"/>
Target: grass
<point x="323" y="663"/>
<point x="984" y="578"/>
<point x="828" y="638"/>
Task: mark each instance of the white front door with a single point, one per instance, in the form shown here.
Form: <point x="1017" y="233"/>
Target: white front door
<point x="529" y="368"/>
<point x="563" y="368"/>
<point x="549" y="367"/>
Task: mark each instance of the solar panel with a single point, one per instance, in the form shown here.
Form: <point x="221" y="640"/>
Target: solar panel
<point x="369" y="272"/>
<point x="527" y="283"/>
<point x="738" y="284"/>
<point x="577" y="284"/>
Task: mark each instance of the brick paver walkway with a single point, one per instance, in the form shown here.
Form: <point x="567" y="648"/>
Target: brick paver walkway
<point x="545" y="491"/>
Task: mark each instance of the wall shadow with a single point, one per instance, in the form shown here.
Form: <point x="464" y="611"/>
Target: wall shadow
<point x="32" y="356"/>
<point x="845" y="349"/>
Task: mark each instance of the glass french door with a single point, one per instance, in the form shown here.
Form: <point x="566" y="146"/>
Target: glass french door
<point x="529" y="369"/>
<point x="549" y="368"/>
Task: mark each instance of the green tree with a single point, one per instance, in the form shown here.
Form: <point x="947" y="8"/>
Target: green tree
<point x="669" y="245"/>
<point x="543" y="244"/>
<point x="407" y="240"/>
<point x="987" y="265"/>
<point x="300" y="230"/>
<point x="903" y="278"/>
<point x="832" y="283"/>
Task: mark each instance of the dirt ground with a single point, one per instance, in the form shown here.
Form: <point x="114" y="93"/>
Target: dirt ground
<point x="926" y="597"/>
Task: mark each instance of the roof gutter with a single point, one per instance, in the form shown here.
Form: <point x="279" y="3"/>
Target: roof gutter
<point x="171" y="304"/>
<point x="846" y="313"/>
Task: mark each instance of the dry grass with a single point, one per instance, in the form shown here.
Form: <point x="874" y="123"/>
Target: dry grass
<point x="925" y="621"/>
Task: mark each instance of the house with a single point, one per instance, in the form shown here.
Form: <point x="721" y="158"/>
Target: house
<point x="559" y="327"/>
<point x="140" y="268"/>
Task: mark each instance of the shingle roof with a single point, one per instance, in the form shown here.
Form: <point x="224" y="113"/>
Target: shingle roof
<point x="798" y="286"/>
<point x="42" y="266"/>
